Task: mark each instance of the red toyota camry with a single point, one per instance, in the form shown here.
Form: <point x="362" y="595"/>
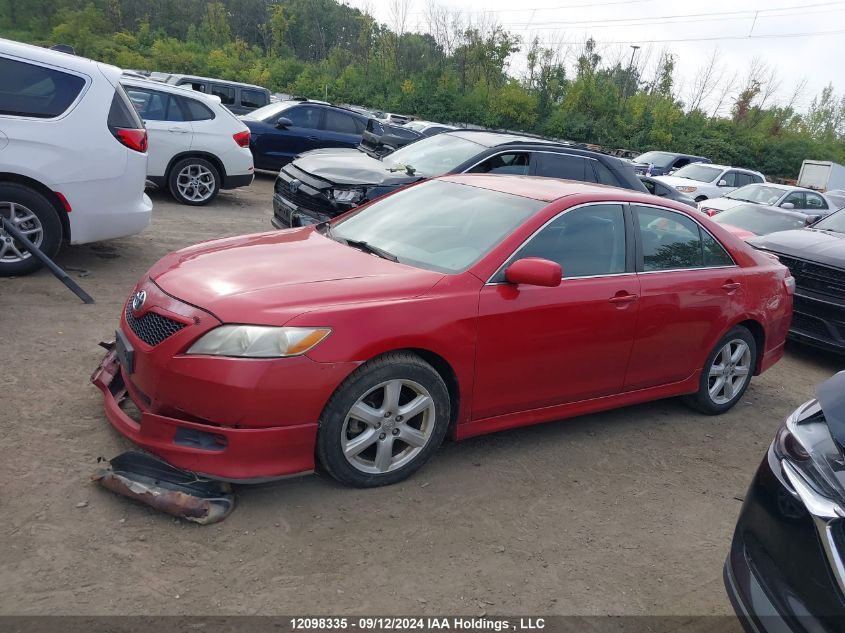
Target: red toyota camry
<point x="462" y="305"/>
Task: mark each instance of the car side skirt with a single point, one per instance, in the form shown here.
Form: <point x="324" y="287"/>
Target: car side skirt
<point x="572" y="409"/>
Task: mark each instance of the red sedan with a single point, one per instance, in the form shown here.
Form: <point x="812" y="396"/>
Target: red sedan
<point x="462" y="305"/>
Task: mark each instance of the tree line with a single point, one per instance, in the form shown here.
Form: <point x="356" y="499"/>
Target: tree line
<point x="453" y="68"/>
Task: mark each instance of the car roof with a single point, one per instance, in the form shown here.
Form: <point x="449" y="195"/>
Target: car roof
<point x="152" y="84"/>
<point x="745" y="169"/>
<point x="547" y="189"/>
<point x="216" y="80"/>
<point x="493" y="139"/>
<point x="58" y="59"/>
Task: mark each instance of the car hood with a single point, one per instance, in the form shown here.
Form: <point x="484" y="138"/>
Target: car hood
<point x="721" y="204"/>
<point x="674" y="181"/>
<point x="352" y="168"/>
<point x="742" y="234"/>
<point x="269" y="278"/>
<point x="831" y="397"/>
<point x="810" y="244"/>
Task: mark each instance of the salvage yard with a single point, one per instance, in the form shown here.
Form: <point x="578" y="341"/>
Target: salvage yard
<point x="625" y="512"/>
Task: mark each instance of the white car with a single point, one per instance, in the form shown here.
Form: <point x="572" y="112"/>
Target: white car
<point x="702" y="181"/>
<point x="73" y="154"/>
<point x="197" y="147"/>
<point x="771" y="194"/>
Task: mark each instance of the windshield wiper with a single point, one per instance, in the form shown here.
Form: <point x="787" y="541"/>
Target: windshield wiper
<point x="369" y="248"/>
<point x="324" y="225"/>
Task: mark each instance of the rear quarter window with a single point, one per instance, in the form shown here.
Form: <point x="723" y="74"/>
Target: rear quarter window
<point x="122" y="113"/>
<point x="36" y="91"/>
<point x="196" y="111"/>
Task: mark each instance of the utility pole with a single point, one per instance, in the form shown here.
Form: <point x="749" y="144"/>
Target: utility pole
<point x="634" y="48"/>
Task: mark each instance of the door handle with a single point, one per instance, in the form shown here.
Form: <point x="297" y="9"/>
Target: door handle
<point x="623" y="298"/>
<point x="177" y="130"/>
<point x="731" y="286"/>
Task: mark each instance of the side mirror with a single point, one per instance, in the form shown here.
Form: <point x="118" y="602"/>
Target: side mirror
<point x="722" y="183"/>
<point x="534" y="271"/>
<point x="787" y="205"/>
<point x="283" y="122"/>
<point x="812" y="219"/>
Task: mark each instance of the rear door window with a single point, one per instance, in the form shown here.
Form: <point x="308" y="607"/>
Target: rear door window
<point x="36" y="91"/>
<point x="226" y="93"/>
<point x="253" y="98"/>
<point x="340" y="122"/>
<point x="155" y="106"/>
<point x="743" y="179"/>
<point x="603" y="174"/>
<point x="565" y="166"/>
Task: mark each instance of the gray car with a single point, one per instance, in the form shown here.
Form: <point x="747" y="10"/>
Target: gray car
<point x="657" y="188"/>
<point x="773" y="195"/>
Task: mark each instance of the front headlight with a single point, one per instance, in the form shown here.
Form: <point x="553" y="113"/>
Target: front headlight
<point x="686" y="189"/>
<point x="258" y="341"/>
<point x="347" y="196"/>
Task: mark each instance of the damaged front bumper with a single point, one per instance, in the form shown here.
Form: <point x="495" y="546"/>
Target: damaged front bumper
<point x="239" y="455"/>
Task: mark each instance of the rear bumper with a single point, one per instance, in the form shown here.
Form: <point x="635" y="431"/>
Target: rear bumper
<point x="100" y="222"/>
<point x="235" y="181"/>
<point x="232" y="454"/>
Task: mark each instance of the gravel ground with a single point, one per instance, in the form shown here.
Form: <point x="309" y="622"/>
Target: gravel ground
<point x="626" y="512"/>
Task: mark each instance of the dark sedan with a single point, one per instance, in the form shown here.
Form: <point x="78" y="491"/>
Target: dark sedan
<point x="816" y="257"/>
<point x="318" y="186"/>
<point x="280" y="131"/>
<point x="785" y="572"/>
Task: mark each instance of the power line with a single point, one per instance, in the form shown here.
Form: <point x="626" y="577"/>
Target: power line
<point x="708" y="39"/>
<point x="598" y="24"/>
<point x="558" y="8"/>
<point x="748" y="12"/>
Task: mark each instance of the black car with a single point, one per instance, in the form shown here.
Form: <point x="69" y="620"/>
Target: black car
<point x="786" y="569"/>
<point x="280" y="131"/>
<point x="816" y="257"/>
<point x="657" y="188"/>
<point x="662" y="163"/>
<point x="382" y="138"/>
<point x="320" y="185"/>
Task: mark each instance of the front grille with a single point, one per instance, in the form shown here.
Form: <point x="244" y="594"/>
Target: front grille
<point x="806" y="324"/>
<point x="152" y="328"/>
<point x="815" y="277"/>
<point x="305" y="197"/>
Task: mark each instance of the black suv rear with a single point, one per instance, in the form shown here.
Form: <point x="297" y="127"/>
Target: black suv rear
<point x="323" y="184"/>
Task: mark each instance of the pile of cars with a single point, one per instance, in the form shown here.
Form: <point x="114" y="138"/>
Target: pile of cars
<point x="427" y="272"/>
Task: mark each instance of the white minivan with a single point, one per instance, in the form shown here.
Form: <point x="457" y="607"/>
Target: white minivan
<point x="73" y="154"/>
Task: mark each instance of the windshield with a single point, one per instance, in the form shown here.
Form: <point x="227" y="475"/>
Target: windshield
<point x="759" y="221"/>
<point x="658" y="159"/>
<point x="761" y="194"/>
<point x="834" y="222"/>
<point x="437" y="225"/>
<point x="271" y="112"/>
<point x="434" y="156"/>
<point x="701" y="173"/>
<point x="417" y="126"/>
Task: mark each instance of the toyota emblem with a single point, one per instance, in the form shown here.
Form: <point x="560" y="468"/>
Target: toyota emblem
<point x="138" y="301"/>
<point x="293" y="185"/>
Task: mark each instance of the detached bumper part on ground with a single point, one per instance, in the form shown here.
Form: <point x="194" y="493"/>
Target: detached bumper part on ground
<point x="159" y="485"/>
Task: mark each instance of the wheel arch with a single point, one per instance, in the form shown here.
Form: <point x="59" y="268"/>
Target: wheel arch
<point x="45" y="191"/>
<point x="759" y="333"/>
<point x="214" y="160"/>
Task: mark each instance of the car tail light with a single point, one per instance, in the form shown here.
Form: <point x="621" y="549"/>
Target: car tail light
<point x="242" y="138"/>
<point x="133" y="139"/>
<point x="789" y="282"/>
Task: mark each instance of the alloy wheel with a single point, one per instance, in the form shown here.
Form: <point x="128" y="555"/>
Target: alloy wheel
<point x="195" y="183"/>
<point x="388" y="426"/>
<point x="730" y="370"/>
<point x="26" y="222"/>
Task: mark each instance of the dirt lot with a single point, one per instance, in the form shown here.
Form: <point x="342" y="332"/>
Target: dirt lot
<point x="628" y="512"/>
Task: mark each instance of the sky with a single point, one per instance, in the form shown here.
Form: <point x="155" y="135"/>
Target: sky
<point x="800" y="40"/>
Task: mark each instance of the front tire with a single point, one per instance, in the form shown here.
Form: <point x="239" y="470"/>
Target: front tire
<point x="384" y="422"/>
<point x="194" y="181"/>
<point x="727" y="373"/>
<point x="37" y="219"/>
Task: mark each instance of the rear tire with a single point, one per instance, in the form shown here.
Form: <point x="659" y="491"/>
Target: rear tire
<point x="726" y="374"/>
<point x="33" y="214"/>
<point x="384" y="421"/>
<point x="194" y="181"/>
